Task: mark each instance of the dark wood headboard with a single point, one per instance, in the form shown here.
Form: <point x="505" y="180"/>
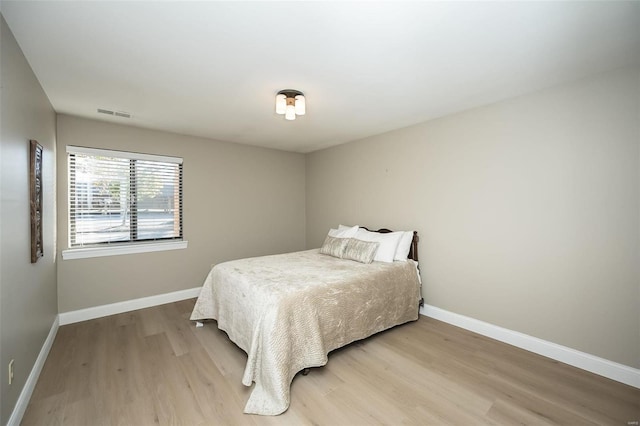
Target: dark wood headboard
<point x="413" y="251"/>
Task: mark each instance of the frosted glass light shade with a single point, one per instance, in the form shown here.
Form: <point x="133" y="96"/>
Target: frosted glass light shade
<point x="281" y="104"/>
<point x="290" y="102"/>
<point x="301" y="107"/>
<point x="290" y="112"/>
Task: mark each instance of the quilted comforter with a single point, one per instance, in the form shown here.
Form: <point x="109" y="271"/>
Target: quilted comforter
<point x="288" y="311"/>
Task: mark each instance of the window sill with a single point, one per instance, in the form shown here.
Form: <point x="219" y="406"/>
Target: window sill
<point x="83" y="253"/>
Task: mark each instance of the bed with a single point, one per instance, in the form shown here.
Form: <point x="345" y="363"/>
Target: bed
<point x="288" y="311"/>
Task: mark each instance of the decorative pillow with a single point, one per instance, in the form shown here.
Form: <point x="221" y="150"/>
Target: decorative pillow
<point x="344" y="232"/>
<point x="388" y="243"/>
<point x="334" y="246"/>
<point x="360" y="251"/>
<point x="402" y="252"/>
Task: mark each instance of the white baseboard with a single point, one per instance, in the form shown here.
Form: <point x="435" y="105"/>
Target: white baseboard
<point x="30" y="384"/>
<point x="126" y="306"/>
<point x="603" y="367"/>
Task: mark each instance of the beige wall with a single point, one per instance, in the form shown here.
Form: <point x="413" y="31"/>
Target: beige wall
<point x="28" y="305"/>
<point x="528" y="210"/>
<point x="239" y="201"/>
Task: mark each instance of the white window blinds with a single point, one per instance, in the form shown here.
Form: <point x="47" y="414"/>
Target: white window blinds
<point x="120" y="197"/>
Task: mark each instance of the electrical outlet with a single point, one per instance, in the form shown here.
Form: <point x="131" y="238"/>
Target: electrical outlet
<point x="11" y="371"/>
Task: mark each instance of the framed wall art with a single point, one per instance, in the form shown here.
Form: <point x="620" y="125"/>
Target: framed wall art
<point x="35" y="197"/>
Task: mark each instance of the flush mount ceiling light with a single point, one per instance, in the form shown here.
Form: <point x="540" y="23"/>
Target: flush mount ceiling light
<point x="290" y="103"/>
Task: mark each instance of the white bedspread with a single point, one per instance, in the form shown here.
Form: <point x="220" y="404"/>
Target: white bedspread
<point x="287" y="312"/>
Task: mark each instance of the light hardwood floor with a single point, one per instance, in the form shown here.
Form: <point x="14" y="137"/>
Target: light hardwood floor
<point x="153" y="366"/>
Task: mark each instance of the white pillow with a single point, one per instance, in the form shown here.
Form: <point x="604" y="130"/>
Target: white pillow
<point x="402" y="252"/>
<point x="344" y="232"/>
<point x="388" y="243"/>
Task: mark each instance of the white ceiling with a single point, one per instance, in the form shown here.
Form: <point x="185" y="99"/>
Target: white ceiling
<point x="212" y="69"/>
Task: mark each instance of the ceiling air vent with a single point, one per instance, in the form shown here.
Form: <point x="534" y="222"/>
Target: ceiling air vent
<point x="115" y="113"/>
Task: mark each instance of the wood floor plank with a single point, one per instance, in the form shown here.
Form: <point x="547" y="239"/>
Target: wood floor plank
<point x="59" y="362"/>
<point x="215" y="397"/>
<point x="46" y="411"/>
<point x="229" y="359"/>
<point x="154" y="367"/>
<point x="174" y="398"/>
<point x="505" y="412"/>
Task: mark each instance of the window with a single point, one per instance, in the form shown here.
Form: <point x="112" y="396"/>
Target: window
<point x="119" y="198"/>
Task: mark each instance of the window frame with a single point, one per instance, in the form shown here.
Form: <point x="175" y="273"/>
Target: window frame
<point x="122" y="247"/>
